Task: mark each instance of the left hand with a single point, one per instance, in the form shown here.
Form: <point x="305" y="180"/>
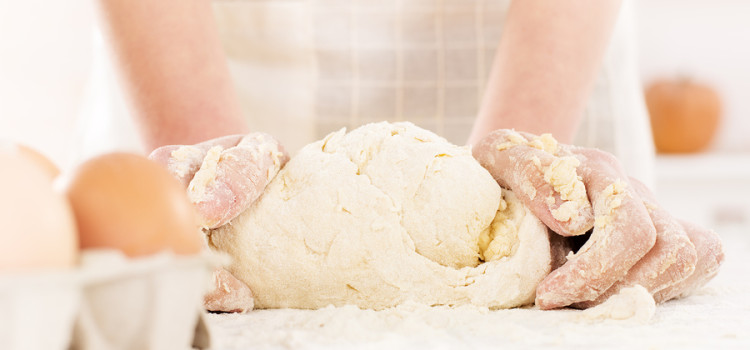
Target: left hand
<point x="634" y="241"/>
<point x="223" y="177"/>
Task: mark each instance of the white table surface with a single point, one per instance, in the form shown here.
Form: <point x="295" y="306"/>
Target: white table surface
<point x="711" y="189"/>
<point x="716" y="317"/>
<point x="704" y="188"/>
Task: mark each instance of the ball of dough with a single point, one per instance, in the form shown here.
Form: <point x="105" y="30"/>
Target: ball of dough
<point x="385" y="214"/>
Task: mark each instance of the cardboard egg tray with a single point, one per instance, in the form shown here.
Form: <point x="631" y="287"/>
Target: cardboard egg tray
<point x="109" y="302"/>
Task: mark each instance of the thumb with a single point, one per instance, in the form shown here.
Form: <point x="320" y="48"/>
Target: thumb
<point x="229" y="180"/>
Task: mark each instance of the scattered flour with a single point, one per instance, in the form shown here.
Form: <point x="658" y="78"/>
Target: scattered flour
<point x="632" y="303"/>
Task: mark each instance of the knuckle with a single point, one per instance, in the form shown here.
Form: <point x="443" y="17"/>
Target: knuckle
<point x="162" y="154"/>
<point x="715" y="248"/>
<point x="645" y="236"/>
<point x="686" y="259"/>
<point x="603" y="157"/>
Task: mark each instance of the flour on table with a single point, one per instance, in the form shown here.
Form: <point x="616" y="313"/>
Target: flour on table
<point x="632" y="303"/>
<point x="714" y="317"/>
<point x="383" y="215"/>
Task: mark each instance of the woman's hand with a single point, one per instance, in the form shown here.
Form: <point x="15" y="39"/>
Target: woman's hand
<point x="223" y="177"/>
<point x="633" y="241"/>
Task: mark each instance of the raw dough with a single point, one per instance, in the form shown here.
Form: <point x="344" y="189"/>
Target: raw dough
<point x="386" y="214"/>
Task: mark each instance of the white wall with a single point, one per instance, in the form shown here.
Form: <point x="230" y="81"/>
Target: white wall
<point x="708" y="40"/>
<point x="45" y="55"/>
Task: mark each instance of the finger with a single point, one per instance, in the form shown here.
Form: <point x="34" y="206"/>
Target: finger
<point x="183" y="161"/>
<point x="543" y="175"/>
<point x="622" y="235"/>
<point x="228" y="294"/>
<point x="670" y="261"/>
<point x="228" y="181"/>
<point x="710" y="255"/>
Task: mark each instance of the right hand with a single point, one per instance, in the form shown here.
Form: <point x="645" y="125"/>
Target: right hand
<point x="634" y="241"/>
<point x="223" y="177"/>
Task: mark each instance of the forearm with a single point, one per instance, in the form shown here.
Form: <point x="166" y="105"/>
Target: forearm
<point x="174" y="70"/>
<point x="545" y="66"/>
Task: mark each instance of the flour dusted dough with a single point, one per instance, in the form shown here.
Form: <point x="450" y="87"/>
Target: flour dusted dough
<point x="386" y="214"/>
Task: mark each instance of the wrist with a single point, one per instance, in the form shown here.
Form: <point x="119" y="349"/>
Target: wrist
<point x="191" y="130"/>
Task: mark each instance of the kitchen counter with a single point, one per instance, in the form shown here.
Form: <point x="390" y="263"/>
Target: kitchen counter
<point x="710" y="189"/>
<point x="717" y="316"/>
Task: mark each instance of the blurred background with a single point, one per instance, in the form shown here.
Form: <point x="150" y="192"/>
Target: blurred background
<point x="47" y="59"/>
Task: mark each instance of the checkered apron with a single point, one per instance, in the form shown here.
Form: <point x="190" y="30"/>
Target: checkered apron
<point x="304" y="68"/>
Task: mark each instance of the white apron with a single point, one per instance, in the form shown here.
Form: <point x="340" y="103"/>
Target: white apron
<point x="304" y="68"/>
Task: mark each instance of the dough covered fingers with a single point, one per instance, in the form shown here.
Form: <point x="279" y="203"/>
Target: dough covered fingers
<point x="224" y="176"/>
<point x="230" y="180"/>
<point x="670" y="261"/>
<point x="623" y="234"/>
<point x="183" y="161"/>
<point x="544" y="176"/>
<point x="710" y="255"/>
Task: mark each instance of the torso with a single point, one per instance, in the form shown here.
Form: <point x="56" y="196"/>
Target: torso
<point x="304" y="68"/>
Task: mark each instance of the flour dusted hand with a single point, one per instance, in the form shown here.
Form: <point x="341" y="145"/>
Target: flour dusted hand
<point x="671" y="259"/>
<point x="223" y="177"/>
<point x="633" y="241"/>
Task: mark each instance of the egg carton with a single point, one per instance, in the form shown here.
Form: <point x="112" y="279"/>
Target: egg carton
<point x="109" y="302"/>
<point x="38" y="310"/>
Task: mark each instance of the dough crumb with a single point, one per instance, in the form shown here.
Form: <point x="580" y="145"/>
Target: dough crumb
<point x="500" y="239"/>
<point x="632" y="303"/>
<point x="528" y="189"/>
<point x="612" y="196"/>
<point x="544" y="142"/>
<point x="514" y="139"/>
<point x="182" y="160"/>
<point x="562" y="175"/>
<point x="198" y="188"/>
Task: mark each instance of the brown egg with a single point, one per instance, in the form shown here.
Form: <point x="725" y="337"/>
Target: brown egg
<point x="128" y="202"/>
<point x="38" y="228"/>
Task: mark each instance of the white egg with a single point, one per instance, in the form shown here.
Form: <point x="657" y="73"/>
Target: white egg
<point x="38" y="230"/>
